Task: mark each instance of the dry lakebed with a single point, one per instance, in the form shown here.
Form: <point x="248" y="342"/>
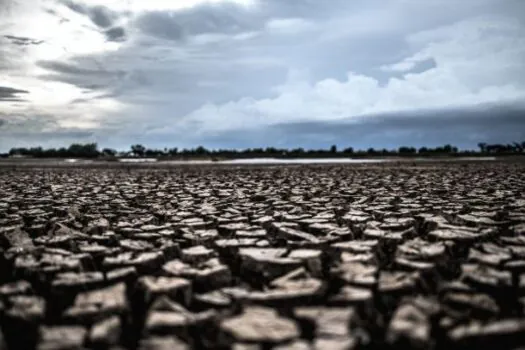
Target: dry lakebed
<point x="333" y="256"/>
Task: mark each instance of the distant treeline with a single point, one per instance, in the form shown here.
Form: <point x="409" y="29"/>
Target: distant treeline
<point x="91" y="150"/>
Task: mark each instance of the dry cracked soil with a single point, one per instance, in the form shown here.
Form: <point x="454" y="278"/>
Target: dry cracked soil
<point x="278" y="257"/>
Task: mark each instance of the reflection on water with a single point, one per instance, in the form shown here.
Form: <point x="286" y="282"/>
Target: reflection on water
<point x="317" y="160"/>
<point x="260" y="161"/>
<point x="344" y="160"/>
<point x="304" y="161"/>
<point x="138" y="160"/>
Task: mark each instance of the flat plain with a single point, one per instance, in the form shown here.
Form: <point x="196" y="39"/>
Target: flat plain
<point x="422" y="256"/>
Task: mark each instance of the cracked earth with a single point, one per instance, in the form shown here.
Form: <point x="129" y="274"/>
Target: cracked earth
<point x="279" y="257"/>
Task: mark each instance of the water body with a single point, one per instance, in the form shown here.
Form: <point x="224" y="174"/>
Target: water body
<point x="138" y="160"/>
<point x="347" y="160"/>
<point x="276" y="161"/>
<point x="247" y="161"/>
<point x="305" y="161"/>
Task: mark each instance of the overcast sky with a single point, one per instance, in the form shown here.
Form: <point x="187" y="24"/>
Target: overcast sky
<point x="246" y="73"/>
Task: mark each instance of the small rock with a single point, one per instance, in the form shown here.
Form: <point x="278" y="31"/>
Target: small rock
<point x="327" y="322"/>
<point x="340" y="343"/>
<point x="15" y="237"/>
<point x="486" y="278"/>
<point x="106" y="332"/>
<point x="162" y="343"/>
<point x="208" y="275"/>
<point x="350" y="295"/>
<point x="146" y="262"/>
<point x="311" y="258"/>
<point x="61" y="337"/>
<point x="472" y="304"/>
<point x="98" y="227"/>
<point x="124" y="274"/>
<point x="289" y="292"/>
<point x="269" y="262"/>
<point x="197" y="254"/>
<point x="74" y="282"/>
<point x="135" y="245"/>
<point x="410" y="327"/>
<point x="507" y="331"/>
<point x="15" y="288"/>
<point x="97" y="304"/>
<point x="27" y="308"/>
<point x="178" y="289"/>
<point x="167" y="317"/>
<point x="260" y="325"/>
<point x="358" y="274"/>
<point x="397" y="282"/>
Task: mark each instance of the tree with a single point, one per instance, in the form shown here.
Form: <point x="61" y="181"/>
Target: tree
<point x="482" y="147"/>
<point x="348" y="150"/>
<point x="62" y="152"/>
<point x="201" y="151"/>
<point x="138" y="150"/>
<point x="152" y="152"/>
<point x="109" y="152"/>
<point x="297" y="151"/>
<point x="19" y="152"/>
<point x="88" y="150"/>
<point x="333" y="149"/>
<point x="406" y="150"/>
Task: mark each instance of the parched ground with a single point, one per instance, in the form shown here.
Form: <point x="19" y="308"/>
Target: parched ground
<point x="302" y="257"/>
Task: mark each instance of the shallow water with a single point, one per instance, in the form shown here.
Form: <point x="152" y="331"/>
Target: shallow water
<point x="345" y="160"/>
<point x="138" y="160"/>
<point x="303" y="160"/>
<point x="247" y="161"/>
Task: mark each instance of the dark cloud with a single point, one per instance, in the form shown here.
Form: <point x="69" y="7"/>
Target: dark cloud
<point x="12" y="99"/>
<point x="116" y="34"/>
<point x="101" y="16"/>
<point x="68" y="68"/>
<point x="424" y="66"/>
<point x="47" y="139"/>
<point x="238" y="59"/>
<point x="59" y="134"/>
<point x="160" y="24"/>
<point x="76" y="72"/>
<point x="23" y="41"/>
<point x="11" y="94"/>
<point x="31" y="128"/>
<point x="461" y="127"/>
<point x="221" y="18"/>
<point x="314" y="8"/>
<point x="76" y="7"/>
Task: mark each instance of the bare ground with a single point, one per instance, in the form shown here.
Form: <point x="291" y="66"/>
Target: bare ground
<point x="423" y="256"/>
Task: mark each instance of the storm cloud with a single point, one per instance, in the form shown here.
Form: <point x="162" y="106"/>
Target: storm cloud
<point x="11" y="94"/>
<point x="237" y="73"/>
<point x="19" y="40"/>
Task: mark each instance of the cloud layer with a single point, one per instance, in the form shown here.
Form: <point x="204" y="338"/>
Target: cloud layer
<point x="193" y="72"/>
